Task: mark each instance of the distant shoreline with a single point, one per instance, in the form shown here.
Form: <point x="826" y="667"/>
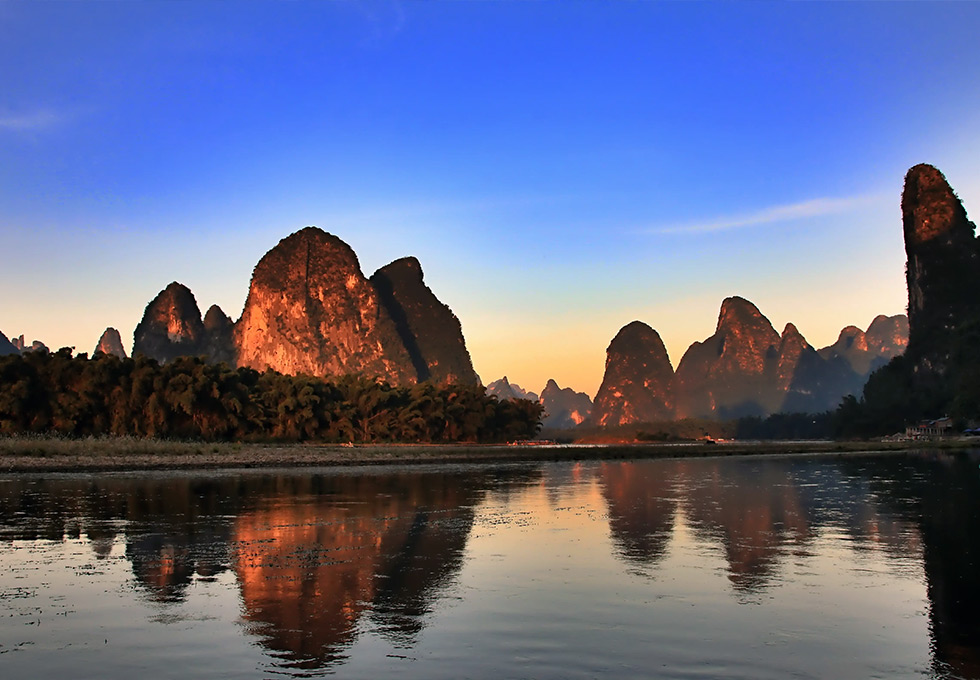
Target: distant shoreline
<point x="47" y="455"/>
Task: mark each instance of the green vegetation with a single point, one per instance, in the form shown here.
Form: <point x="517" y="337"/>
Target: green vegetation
<point x="191" y="399"/>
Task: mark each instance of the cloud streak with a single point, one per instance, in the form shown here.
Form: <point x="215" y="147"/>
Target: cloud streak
<point x="816" y="207"/>
<point x="28" y="122"/>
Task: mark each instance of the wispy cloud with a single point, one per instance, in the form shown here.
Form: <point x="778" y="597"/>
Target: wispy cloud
<point x="28" y="122"/>
<point x="816" y="207"/>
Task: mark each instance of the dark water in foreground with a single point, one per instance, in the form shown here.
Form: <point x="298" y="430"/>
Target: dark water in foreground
<point x="852" y="567"/>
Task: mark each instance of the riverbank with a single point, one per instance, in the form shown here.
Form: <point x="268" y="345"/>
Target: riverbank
<point x="42" y="454"/>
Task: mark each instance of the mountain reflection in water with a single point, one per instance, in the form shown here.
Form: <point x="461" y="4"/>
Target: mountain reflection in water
<point x="321" y="560"/>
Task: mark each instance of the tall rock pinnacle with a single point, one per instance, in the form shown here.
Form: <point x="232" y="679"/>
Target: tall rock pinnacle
<point x="943" y="270"/>
<point x="636" y="385"/>
<point x="171" y="325"/>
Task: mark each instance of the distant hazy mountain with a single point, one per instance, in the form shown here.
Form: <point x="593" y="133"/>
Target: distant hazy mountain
<point x="564" y="408"/>
<point x="110" y="343"/>
<point x="504" y="389"/>
<point x="21" y="346"/>
<point x="7" y="347"/>
<point x="865" y="351"/>
<point x="218" y="344"/>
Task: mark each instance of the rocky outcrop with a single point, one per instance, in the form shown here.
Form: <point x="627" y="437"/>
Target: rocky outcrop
<point x="636" y="386"/>
<point x="110" y="343"/>
<point x="7" y="347"/>
<point x="171" y="326"/>
<point x="219" y="330"/>
<point x="733" y="373"/>
<point x="940" y="370"/>
<point x="430" y="331"/>
<point x="311" y="310"/>
<point x="564" y="408"/>
<point x="504" y="389"/>
<point x="21" y="345"/>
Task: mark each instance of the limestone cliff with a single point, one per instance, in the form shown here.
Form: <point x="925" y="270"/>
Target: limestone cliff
<point x="429" y="330"/>
<point x="943" y="270"/>
<point x="564" y="408"/>
<point x="732" y="373"/>
<point x="171" y="326"/>
<point x="636" y="386"/>
<point x="311" y="310"/>
<point x="110" y="343"/>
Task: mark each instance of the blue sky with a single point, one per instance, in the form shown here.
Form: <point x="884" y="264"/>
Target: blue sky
<point x="559" y="169"/>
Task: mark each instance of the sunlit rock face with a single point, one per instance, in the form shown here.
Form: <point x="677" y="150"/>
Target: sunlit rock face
<point x="636" y="384"/>
<point x="171" y="325"/>
<point x="110" y="343"/>
<point x="6" y="347"/>
<point x="888" y="336"/>
<point x="430" y="331"/>
<point x="311" y="310"/>
<point x="564" y="408"/>
<point x="943" y="270"/>
<point x="731" y="374"/>
<point x="504" y="389"/>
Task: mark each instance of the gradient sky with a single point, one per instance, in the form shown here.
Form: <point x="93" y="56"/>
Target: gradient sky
<point x="560" y="169"/>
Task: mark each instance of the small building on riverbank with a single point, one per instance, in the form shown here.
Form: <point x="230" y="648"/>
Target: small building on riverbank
<point x="930" y="429"/>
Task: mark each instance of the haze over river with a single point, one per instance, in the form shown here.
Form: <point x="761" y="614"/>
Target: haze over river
<point x="853" y="566"/>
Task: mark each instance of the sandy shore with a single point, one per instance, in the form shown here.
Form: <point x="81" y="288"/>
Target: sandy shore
<point x="88" y="455"/>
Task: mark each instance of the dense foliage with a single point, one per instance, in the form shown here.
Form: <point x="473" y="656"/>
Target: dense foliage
<point x="908" y="389"/>
<point x="786" y="426"/>
<point x="191" y="399"/>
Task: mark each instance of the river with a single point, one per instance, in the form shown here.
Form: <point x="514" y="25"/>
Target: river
<point x="853" y="566"/>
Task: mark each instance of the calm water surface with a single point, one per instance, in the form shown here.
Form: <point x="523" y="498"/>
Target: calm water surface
<point x="801" y="567"/>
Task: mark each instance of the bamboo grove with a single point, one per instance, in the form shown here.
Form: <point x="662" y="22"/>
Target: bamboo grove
<point x="189" y="398"/>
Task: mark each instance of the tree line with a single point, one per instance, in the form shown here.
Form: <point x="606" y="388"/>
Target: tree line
<point x="189" y="398"/>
